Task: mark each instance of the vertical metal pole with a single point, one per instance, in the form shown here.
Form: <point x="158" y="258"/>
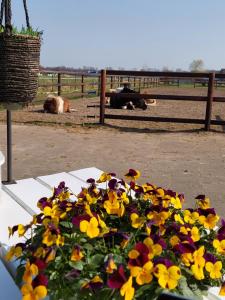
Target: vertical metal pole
<point x="111" y="82"/>
<point x="82" y="86"/>
<point x="59" y="84"/>
<point x="9" y="149"/>
<point x="209" y="101"/>
<point x="102" y="97"/>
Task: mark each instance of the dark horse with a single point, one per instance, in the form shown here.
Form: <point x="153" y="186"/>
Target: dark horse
<point x="118" y="100"/>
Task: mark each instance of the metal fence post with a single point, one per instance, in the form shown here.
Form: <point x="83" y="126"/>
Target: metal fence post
<point x="59" y="84"/>
<point x="102" y="97"/>
<point x="209" y="101"/>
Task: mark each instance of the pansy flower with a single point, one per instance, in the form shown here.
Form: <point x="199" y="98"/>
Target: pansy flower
<point x="110" y="265"/>
<point x="209" y="222"/>
<point x="90" y="228"/>
<point x="93" y="284"/>
<point x="214" y="269"/>
<point x="222" y="289"/>
<point x="133" y="174"/>
<point x="31" y="270"/>
<point x="76" y="254"/>
<point x="136" y="221"/>
<point x="203" y="202"/>
<point x="143" y="274"/>
<point x="168" y="278"/>
<point x="127" y="290"/>
<point x="30" y="293"/>
<point x="219" y="246"/>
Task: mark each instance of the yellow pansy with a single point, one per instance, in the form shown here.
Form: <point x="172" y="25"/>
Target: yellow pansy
<point x="184" y="230"/>
<point x="197" y="271"/>
<point x="154" y="249"/>
<point x="158" y="218"/>
<point x="210" y="221"/>
<point x="76" y="254"/>
<point x="167" y="278"/>
<point x="219" y="246"/>
<point x="111" y="266"/>
<point x="127" y="290"/>
<point x="124" y="198"/>
<point x="113" y="206"/>
<point x="133" y="254"/>
<point x="174" y="240"/>
<point x="143" y="274"/>
<point x="91" y="199"/>
<point x="190" y="217"/>
<point x="91" y="228"/>
<point x="198" y="257"/>
<point x="222" y="290"/>
<point x="30" y="293"/>
<point x="104" y="177"/>
<point x="21" y="230"/>
<point x="13" y="251"/>
<point x="50" y="239"/>
<point x="204" y="203"/>
<point x="40" y="252"/>
<point x="187" y="259"/>
<point x="178" y="219"/>
<point x="195" y="234"/>
<point x="136" y="221"/>
<point x="176" y="202"/>
<point x="31" y="270"/>
<point x="214" y="269"/>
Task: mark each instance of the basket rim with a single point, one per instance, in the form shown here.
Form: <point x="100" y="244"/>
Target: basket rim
<point x="19" y="36"/>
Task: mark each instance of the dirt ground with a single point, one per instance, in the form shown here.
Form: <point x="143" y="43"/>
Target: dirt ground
<point x="185" y="109"/>
<point x="176" y="156"/>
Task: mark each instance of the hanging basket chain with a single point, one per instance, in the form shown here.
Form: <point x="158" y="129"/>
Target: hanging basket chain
<point x="2" y="12"/>
<point x="7" y="11"/>
<point x="26" y="13"/>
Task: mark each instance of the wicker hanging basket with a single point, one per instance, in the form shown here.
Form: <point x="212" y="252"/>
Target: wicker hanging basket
<point x="19" y="67"/>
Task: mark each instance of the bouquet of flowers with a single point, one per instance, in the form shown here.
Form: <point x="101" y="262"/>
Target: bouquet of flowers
<point x="124" y="241"/>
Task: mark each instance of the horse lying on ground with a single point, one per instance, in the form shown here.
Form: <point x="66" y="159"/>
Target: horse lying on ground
<point x="56" y="105"/>
<point x="118" y="100"/>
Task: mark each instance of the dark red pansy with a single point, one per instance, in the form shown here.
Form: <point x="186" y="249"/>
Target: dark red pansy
<point x="62" y="185"/>
<point x="185" y="248"/>
<point x="77" y="219"/>
<point x="161" y="260"/>
<point x="158" y="240"/>
<point x="40" y="279"/>
<point x="170" y="193"/>
<point x="113" y="184"/>
<point x="91" y="180"/>
<point x="40" y="264"/>
<point x="210" y="257"/>
<point x="132" y="185"/>
<point x="206" y="212"/>
<point x="112" y="174"/>
<point x="117" y="279"/>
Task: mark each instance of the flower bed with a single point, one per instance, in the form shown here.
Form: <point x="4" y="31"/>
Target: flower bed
<point x="122" y="242"/>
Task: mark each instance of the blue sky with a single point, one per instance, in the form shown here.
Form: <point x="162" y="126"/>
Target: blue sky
<point x="128" y="33"/>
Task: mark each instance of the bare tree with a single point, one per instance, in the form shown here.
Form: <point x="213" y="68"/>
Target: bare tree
<point x="197" y="65"/>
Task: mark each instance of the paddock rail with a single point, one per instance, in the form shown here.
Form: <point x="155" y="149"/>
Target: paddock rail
<point x="209" y="99"/>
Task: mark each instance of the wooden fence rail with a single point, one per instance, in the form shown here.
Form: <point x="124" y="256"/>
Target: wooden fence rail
<point x="209" y="99"/>
<point x="85" y="82"/>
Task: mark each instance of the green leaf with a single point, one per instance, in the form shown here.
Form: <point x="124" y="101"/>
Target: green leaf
<point x="88" y="247"/>
<point x="66" y="224"/>
<point x="19" y="274"/>
<point x="97" y="259"/>
<point x="78" y="265"/>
